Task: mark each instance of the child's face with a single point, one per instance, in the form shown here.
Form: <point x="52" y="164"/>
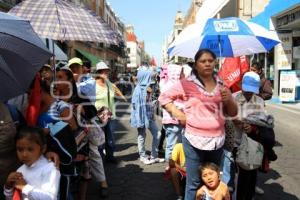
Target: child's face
<point x="28" y="151"/>
<point x="210" y="178"/>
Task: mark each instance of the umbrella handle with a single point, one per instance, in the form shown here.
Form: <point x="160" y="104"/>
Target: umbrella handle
<point x="53" y="62"/>
<point x="220" y="51"/>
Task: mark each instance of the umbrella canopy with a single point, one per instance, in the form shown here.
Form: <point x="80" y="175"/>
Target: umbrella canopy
<point x="22" y="54"/>
<point x="62" y="20"/>
<point x="227" y="37"/>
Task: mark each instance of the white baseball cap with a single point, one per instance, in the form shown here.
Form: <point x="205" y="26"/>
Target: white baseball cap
<point x="101" y="65"/>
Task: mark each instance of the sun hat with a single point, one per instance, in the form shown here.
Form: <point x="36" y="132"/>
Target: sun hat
<point x="251" y="82"/>
<point x="101" y="65"/>
<point x="65" y="68"/>
<point x="75" y="60"/>
<point x="46" y="66"/>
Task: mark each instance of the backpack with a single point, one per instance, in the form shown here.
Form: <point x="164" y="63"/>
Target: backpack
<point x="249" y="154"/>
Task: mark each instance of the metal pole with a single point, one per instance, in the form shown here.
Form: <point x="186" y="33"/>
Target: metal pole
<point x="220" y="46"/>
<point x="266" y="64"/>
<point x="53" y="61"/>
<point x="220" y="51"/>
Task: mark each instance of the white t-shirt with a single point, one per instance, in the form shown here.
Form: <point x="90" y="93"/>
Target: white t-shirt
<point x="42" y="180"/>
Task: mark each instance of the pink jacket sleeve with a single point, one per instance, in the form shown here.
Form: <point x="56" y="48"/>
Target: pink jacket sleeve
<point x="173" y="93"/>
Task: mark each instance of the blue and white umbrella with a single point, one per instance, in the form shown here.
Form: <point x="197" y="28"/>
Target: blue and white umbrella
<point x="227" y="37"/>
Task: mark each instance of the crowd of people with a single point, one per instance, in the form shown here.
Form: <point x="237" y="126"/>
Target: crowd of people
<point x="62" y="130"/>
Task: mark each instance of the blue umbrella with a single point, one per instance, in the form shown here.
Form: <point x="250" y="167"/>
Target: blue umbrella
<point x="227" y="37"/>
<point x="22" y="54"/>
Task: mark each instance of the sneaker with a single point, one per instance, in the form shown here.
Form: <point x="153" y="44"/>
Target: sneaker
<point x="259" y="191"/>
<point x="144" y="160"/>
<point x="179" y="198"/>
<point x="155" y="160"/>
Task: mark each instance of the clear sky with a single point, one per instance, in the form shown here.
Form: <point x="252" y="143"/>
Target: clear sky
<point x="153" y="20"/>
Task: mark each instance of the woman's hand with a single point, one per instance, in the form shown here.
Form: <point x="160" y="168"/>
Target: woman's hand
<point x="230" y="106"/>
<point x="176" y="113"/>
<point x="226" y="95"/>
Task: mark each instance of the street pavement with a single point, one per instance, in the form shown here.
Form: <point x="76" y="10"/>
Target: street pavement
<point x="132" y="180"/>
<point x="283" y="181"/>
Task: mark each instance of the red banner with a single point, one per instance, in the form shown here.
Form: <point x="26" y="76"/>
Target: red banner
<point x="233" y="70"/>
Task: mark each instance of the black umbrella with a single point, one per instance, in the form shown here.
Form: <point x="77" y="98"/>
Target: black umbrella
<point x="22" y="54"/>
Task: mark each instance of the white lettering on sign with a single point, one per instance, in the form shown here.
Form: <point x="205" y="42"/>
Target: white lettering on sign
<point x="226" y="25"/>
<point x="234" y="75"/>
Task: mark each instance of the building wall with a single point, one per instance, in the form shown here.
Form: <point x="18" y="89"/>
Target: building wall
<point x="190" y="16"/>
<point x="177" y="28"/>
<point x="244" y="9"/>
<point x="134" y="53"/>
<point x="250" y="8"/>
<point x="286" y="54"/>
<point x="110" y="17"/>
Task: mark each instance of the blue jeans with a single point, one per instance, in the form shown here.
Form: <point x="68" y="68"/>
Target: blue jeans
<point x="109" y="140"/>
<point x="194" y="158"/>
<point x="155" y="139"/>
<point x="173" y="135"/>
<point x="228" y="168"/>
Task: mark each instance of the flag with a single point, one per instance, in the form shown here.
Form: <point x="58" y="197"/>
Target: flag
<point x="17" y="195"/>
<point x="33" y="109"/>
<point x="232" y="70"/>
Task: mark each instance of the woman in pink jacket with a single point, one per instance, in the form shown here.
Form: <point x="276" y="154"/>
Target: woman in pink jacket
<point x="205" y="102"/>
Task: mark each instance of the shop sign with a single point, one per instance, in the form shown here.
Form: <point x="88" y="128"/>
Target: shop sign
<point x="283" y="52"/>
<point x="288" y="81"/>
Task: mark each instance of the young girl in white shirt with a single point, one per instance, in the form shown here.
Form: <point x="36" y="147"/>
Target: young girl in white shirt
<point x="37" y="178"/>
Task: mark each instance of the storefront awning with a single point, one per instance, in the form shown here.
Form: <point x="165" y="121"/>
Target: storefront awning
<point x="274" y="7"/>
<point x="94" y="59"/>
<point x="209" y="10"/>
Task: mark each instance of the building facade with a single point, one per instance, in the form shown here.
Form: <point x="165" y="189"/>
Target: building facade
<point x="286" y="67"/>
<point x="113" y="55"/>
<point x="135" y="49"/>
<point x="177" y="28"/>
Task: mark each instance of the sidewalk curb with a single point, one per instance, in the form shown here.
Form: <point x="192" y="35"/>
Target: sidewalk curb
<point x="292" y="109"/>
